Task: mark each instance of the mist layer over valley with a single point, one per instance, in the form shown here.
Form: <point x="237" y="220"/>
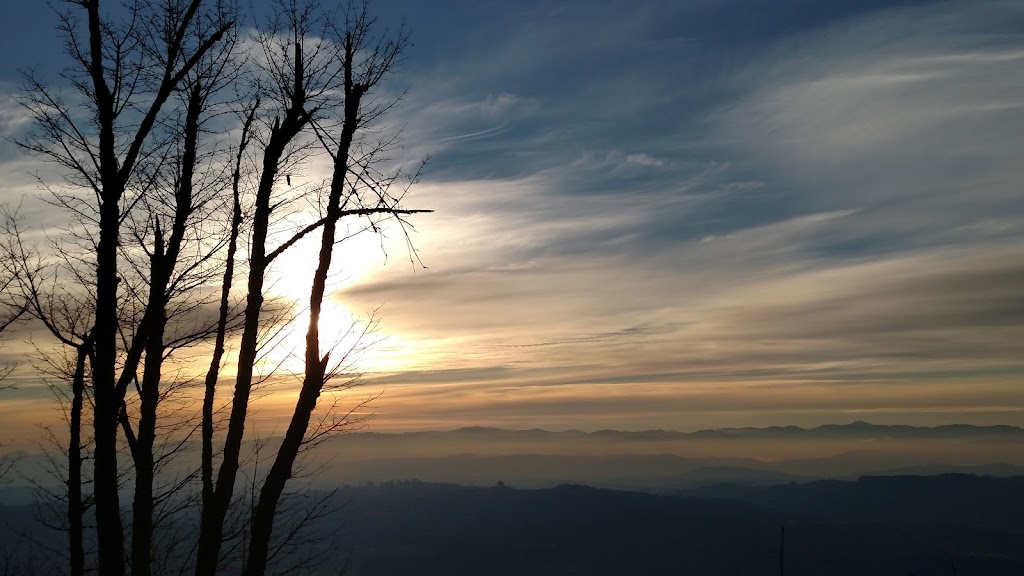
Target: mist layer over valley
<point x="652" y="461"/>
<point x="659" y="460"/>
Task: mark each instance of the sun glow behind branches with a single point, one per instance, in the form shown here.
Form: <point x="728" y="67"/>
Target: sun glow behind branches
<point x="353" y="337"/>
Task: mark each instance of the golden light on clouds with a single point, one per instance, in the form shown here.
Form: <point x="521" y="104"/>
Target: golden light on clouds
<point x="836" y="234"/>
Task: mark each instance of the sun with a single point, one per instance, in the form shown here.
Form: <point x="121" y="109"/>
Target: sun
<point x="351" y="336"/>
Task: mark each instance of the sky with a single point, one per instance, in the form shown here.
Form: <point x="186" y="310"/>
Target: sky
<point x="685" y="214"/>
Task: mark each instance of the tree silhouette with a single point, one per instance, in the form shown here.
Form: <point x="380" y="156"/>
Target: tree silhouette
<point x="157" y="201"/>
<point x="12" y="309"/>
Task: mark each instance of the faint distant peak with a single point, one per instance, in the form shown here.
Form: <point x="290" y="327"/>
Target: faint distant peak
<point x="855" y="429"/>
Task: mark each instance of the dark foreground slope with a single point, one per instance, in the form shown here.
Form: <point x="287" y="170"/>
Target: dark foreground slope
<point x="940" y="525"/>
<point x="432" y="529"/>
<point x="904" y="525"/>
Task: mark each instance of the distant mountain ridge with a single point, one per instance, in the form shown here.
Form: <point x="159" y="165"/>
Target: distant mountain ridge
<point x="857" y="429"/>
<point x="653" y="460"/>
<point x="638" y="472"/>
<point x="861" y="429"/>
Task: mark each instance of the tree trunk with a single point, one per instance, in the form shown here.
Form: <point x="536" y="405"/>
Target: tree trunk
<point x="149" y="397"/>
<point x="161" y="269"/>
<point x="211" y="529"/>
<point x="218" y="348"/>
<point x="109" y="532"/>
<point x="76" y="532"/>
<point x="316" y="367"/>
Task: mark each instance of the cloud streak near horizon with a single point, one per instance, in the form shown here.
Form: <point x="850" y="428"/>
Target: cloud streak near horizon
<point x="656" y="215"/>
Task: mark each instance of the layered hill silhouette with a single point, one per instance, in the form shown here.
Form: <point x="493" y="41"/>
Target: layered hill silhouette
<point x="875" y="525"/>
<point x="883" y="526"/>
<point x="665" y="460"/>
<point x="893" y="500"/>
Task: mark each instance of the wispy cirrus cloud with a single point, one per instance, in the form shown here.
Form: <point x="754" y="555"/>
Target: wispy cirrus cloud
<point x="664" y="214"/>
<point x="847" y="212"/>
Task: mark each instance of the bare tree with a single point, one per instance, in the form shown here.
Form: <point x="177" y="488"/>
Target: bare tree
<point x="125" y="74"/>
<point x="365" y="60"/>
<point x="171" y="277"/>
<point x="67" y="316"/>
<point x="12" y="308"/>
<point x="154" y="242"/>
<point x="338" y="61"/>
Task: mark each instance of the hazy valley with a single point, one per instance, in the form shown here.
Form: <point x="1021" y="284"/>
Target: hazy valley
<point x="853" y="499"/>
